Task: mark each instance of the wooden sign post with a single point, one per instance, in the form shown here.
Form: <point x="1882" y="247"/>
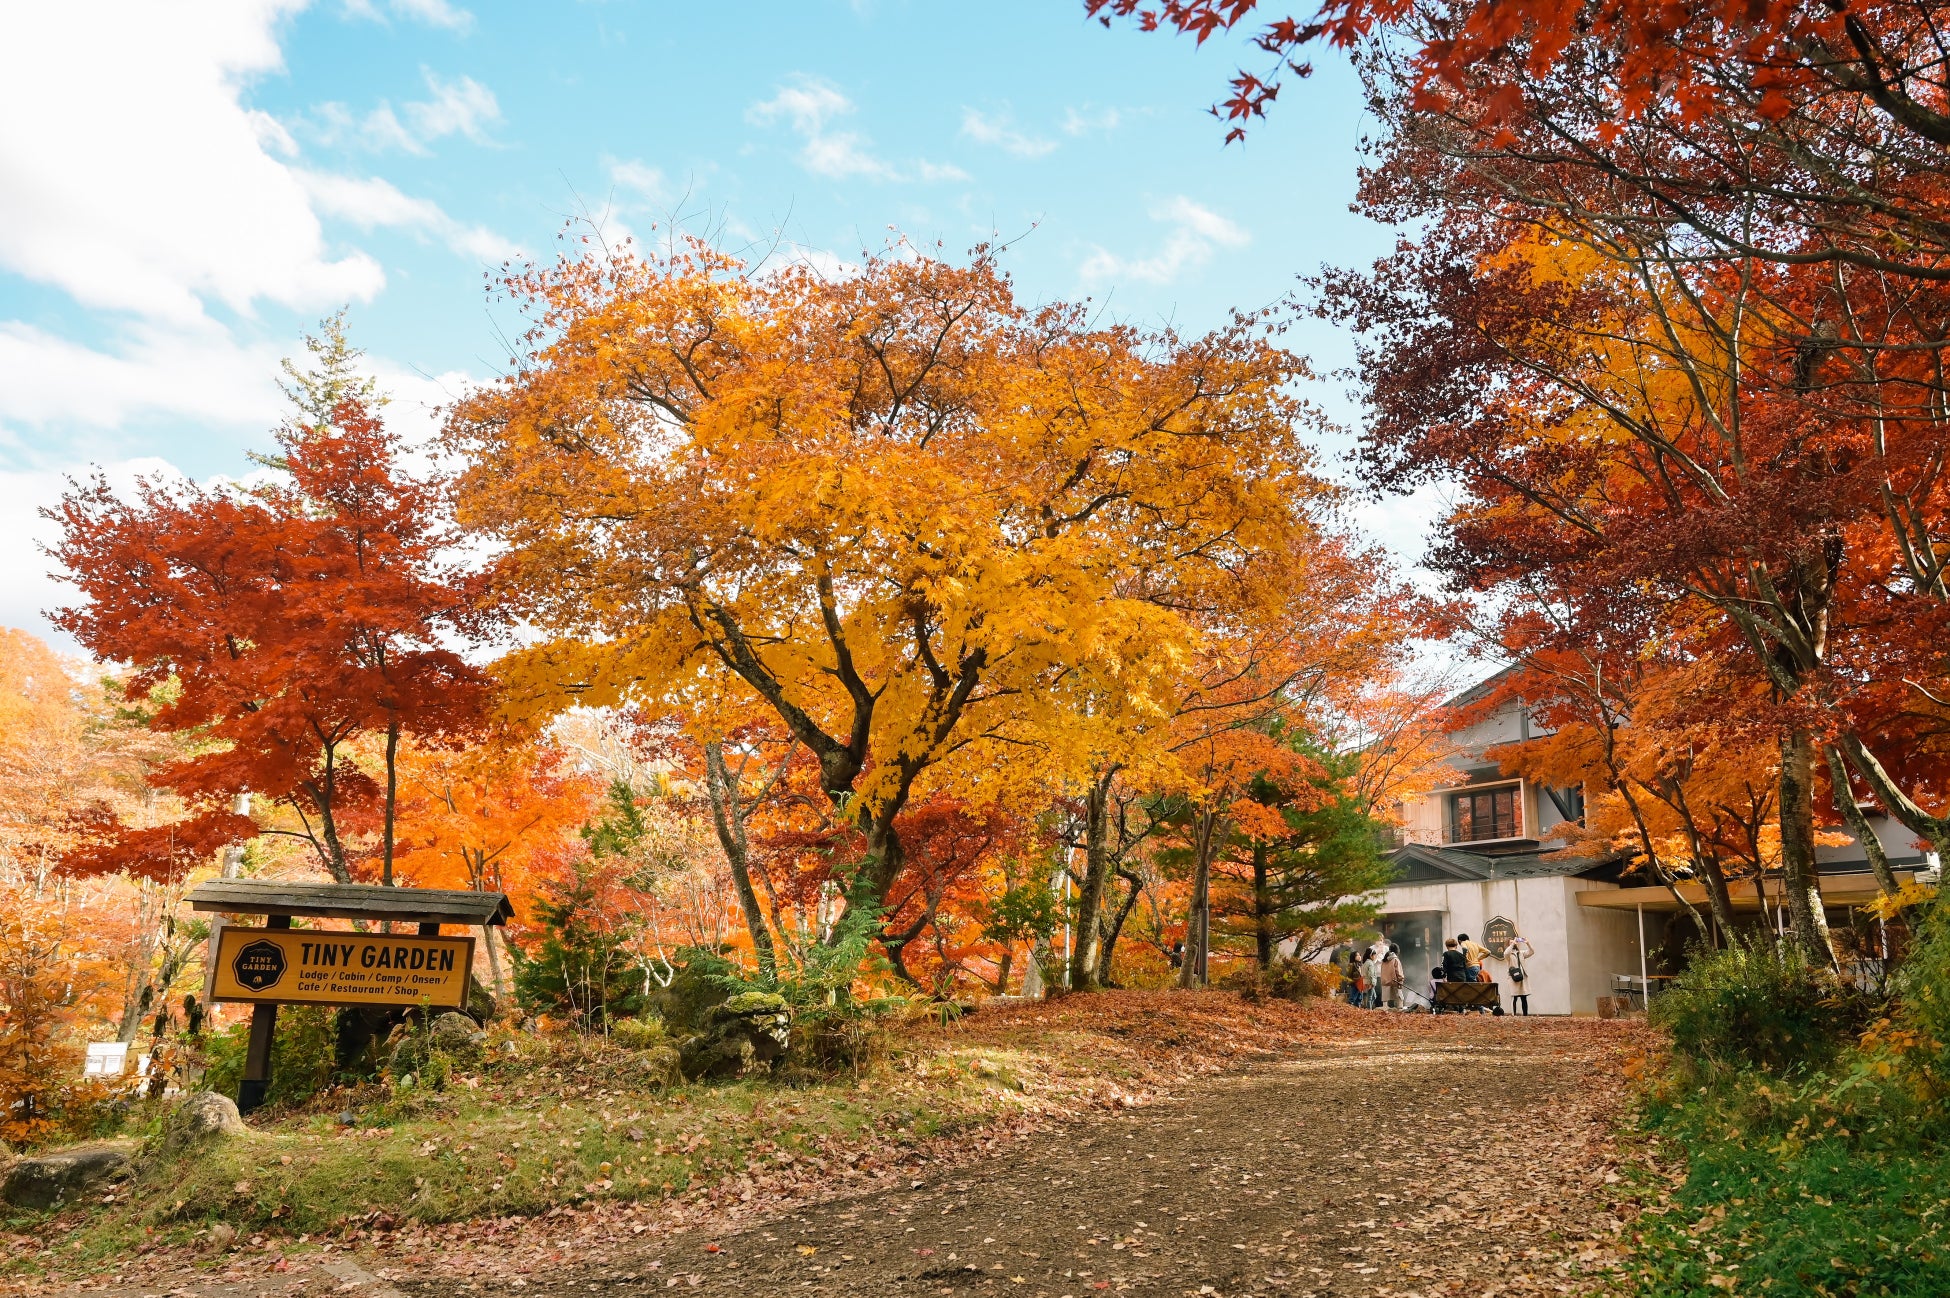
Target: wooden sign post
<point x="279" y="965"/>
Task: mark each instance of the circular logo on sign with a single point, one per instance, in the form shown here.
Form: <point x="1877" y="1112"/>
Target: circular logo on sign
<point x="259" y="965"/>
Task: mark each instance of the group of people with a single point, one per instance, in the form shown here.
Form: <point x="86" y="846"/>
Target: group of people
<point x="1374" y="978"/>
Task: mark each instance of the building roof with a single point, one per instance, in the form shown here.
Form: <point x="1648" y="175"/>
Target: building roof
<point x="1480" y="689"/>
<point x="1420" y="863"/>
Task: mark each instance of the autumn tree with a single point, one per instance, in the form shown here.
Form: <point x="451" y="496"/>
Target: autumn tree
<point x="1302" y="863"/>
<point x="487" y="817"/>
<point x="284" y="623"/>
<point x="1808" y="63"/>
<point x="1768" y="186"/>
<point x="896" y="508"/>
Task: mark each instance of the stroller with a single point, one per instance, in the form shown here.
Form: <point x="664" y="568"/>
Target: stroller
<point x="1414" y="1002"/>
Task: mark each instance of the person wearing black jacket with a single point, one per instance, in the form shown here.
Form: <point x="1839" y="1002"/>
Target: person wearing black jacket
<point x="1455" y="965"/>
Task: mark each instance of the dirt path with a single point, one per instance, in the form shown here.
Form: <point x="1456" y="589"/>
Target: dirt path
<point x="1463" y="1156"/>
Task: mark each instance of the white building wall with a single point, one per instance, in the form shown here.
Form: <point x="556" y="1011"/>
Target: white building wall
<point x="1609" y="942"/>
<point x="1577" y="950"/>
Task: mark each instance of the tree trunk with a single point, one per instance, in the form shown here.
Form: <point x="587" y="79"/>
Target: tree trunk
<point x="1198" y="920"/>
<point x="1032" y="976"/>
<point x="1934" y="829"/>
<point x="392" y="799"/>
<point x="868" y="891"/>
<point x="728" y="817"/>
<point x="1087" y="957"/>
<point x="501" y="991"/>
<point x="1858" y="823"/>
<point x="1262" y="909"/>
<point x="1116" y="930"/>
<point x="1800" y="874"/>
<point x="1717" y="896"/>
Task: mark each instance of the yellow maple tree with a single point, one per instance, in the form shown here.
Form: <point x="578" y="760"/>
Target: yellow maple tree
<point x="897" y="507"/>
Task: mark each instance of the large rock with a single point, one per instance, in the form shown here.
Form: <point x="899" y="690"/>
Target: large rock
<point x="455" y="1033"/>
<point x="744" y="1033"/>
<point x="202" y="1117"/>
<point x="452" y="1035"/>
<point x="55" y="1179"/>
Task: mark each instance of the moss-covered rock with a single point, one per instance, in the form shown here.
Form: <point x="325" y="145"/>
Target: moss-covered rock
<point x="745" y="1033"/>
<point x="200" y="1119"/>
<point x="52" y="1180"/>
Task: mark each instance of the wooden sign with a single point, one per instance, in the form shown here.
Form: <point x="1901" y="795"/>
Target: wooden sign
<point x="1498" y="934"/>
<point x="306" y="967"/>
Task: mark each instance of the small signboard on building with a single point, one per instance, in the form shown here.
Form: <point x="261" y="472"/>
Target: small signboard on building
<point x="316" y="967"/>
<point x="1498" y="934"/>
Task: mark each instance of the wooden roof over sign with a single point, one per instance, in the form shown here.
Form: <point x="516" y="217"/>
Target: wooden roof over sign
<point x="351" y="901"/>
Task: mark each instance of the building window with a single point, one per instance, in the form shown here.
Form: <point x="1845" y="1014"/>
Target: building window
<point x="1486" y="815"/>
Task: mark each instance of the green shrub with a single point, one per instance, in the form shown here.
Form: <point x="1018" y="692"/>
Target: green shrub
<point x="1922" y="989"/>
<point x="582" y="968"/>
<point x="1760" y="1005"/>
<point x="639" y="1034"/>
<point x="304" y="1050"/>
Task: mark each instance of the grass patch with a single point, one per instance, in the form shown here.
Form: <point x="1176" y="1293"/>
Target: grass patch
<point x="566" y="1124"/>
<point x="1794" y="1189"/>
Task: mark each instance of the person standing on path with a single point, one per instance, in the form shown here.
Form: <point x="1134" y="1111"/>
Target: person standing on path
<point x="1370" y="980"/>
<point x="1455" y="965"/>
<point x="1343" y="961"/>
<point x="1475" y="953"/>
<point x="1516" y="953"/>
<point x="1392" y="978"/>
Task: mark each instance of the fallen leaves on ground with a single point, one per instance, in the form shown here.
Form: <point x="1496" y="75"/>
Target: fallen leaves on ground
<point x="1442" y="1156"/>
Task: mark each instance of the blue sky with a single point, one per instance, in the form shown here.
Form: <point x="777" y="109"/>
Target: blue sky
<point x="186" y="186"/>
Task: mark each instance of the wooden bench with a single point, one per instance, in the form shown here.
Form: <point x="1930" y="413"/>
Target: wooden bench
<point x="1459" y="996"/>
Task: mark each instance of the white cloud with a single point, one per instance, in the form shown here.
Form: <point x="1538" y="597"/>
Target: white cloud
<point x="373" y="203"/>
<point x="28" y="587"/>
<point x="1082" y="121"/>
<point x="809" y="108"/>
<point x="646" y="184"/>
<point x="161" y="193"/>
<point x="202" y="374"/>
<point x="462" y="107"/>
<point x="1197" y="233"/>
<point x="1000" y="131"/>
<point x="433" y="13"/>
<point x="197" y="371"/>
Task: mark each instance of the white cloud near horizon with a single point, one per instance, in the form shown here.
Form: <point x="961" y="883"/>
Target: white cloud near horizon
<point x="1000" y="130"/>
<point x="809" y="107"/>
<point x="1196" y="235"/>
<point x="162" y="194"/>
<point x="201" y="372"/>
<point x="646" y="183"/>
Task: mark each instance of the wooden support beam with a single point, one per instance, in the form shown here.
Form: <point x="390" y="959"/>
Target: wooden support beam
<point x="257" y="1056"/>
